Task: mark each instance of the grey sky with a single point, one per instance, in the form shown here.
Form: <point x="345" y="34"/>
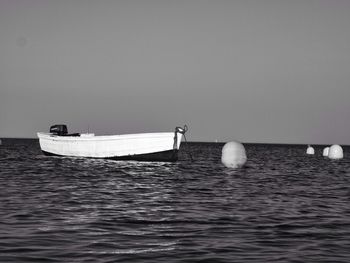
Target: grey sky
<point x="254" y="71"/>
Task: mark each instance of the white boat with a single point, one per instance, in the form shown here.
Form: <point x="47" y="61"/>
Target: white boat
<point x="160" y="146"/>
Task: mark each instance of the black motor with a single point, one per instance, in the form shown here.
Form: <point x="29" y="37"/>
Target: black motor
<point x="59" y="129"/>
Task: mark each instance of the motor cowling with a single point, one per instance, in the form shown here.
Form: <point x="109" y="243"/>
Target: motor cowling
<point x="59" y="129"/>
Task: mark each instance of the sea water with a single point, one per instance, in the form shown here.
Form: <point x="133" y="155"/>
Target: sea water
<point x="283" y="206"/>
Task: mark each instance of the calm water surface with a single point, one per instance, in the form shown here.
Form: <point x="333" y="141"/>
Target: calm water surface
<point x="284" y="206"/>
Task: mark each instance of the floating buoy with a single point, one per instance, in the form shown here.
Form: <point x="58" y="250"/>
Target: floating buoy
<point x="310" y="150"/>
<point x="335" y="152"/>
<point x="233" y="155"/>
<point x="326" y="151"/>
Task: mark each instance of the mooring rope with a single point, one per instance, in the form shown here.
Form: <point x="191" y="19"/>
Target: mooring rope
<point x="182" y="131"/>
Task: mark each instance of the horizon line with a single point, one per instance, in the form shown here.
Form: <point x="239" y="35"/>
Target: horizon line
<point x="214" y="142"/>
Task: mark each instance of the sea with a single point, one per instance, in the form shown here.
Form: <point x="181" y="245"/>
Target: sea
<point x="282" y="206"/>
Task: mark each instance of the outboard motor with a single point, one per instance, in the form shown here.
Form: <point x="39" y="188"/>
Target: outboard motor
<point x="59" y="129"/>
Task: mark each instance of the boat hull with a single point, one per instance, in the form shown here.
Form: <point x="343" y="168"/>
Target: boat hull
<point x="139" y="147"/>
<point x="165" y="156"/>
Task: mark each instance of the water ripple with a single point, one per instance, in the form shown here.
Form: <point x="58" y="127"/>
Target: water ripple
<point x="283" y="206"/>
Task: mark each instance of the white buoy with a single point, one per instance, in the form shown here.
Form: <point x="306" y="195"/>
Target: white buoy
<point x="335" y="152"/>
<point x="310" y="150"/>
<point x="326" y="151"/>
<point x="233" y="155"/>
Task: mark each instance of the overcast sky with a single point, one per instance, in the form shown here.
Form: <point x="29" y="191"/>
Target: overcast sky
<point x="273" y="71"/>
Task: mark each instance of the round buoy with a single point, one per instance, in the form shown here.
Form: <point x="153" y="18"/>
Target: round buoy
<point x="326" y="151"/>
<point x="310" y="150"/>
<point x="233" y="155"/>
<point x="335" y="152"/>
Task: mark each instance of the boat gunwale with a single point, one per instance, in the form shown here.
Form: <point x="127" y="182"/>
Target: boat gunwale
<point x="50" y="136"/>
